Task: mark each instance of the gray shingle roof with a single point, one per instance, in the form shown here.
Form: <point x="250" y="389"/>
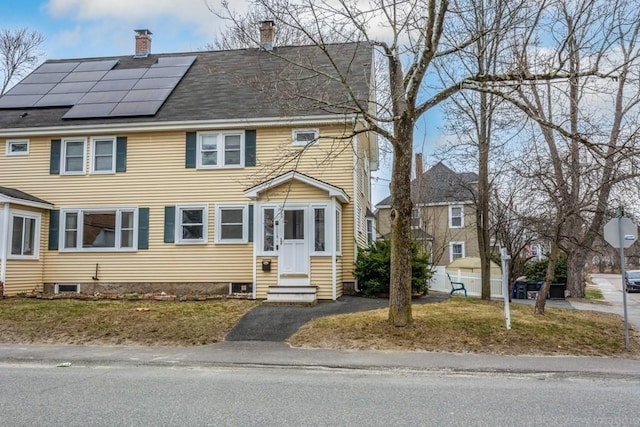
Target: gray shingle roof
<point x="237" y="84"/>
<point x="21" y="195"/>
<point x="439" y="184"/>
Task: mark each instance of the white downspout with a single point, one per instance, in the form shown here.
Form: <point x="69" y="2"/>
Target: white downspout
<point x="334" y="263"/>
<point x="4" y="244"/>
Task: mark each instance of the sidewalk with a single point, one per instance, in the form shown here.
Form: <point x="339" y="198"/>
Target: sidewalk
<point x="270" y="354"/>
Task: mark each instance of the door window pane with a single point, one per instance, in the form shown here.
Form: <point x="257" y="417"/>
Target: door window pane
<point x="294" y="225"/>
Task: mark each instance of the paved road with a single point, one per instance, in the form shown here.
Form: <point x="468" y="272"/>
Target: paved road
<point x="113" y="396"/>
<point x="611" y="287"/>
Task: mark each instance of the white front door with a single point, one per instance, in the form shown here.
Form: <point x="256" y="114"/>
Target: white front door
<point x="294" y="250"/>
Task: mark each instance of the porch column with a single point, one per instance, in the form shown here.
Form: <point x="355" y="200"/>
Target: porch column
<point x="334" y="252"/>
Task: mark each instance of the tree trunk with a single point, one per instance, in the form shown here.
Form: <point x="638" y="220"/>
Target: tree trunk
<point x="401" y="205"/>
<point x="482" y="208"/>
<point x="541" y="299"/>
<point x="575" y="273"/>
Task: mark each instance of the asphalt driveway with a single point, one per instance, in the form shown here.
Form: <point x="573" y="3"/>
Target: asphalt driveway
<point x="276" y="323"/>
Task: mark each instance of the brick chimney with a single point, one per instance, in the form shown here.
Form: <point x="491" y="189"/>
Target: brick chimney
<point x="143" y="43"/>
<point x="267" y="34"/>
<point x="419" y="166"/>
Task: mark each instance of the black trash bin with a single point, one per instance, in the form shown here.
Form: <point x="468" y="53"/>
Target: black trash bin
<point x="557" y="290"/>
<point x="520" y="290"/>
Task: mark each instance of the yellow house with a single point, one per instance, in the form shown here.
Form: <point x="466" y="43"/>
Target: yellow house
<point x="188" y="173"/>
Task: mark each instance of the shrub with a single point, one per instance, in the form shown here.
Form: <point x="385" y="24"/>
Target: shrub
<point x="373" y="269"/>
<point x="537" y="270"/>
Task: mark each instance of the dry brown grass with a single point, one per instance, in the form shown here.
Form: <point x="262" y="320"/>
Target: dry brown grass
<point x="471" y="325"/>
<point x="118" y="322"/>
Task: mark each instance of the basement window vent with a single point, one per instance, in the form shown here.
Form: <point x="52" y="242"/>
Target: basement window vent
<point x="67" y="289"/>
<point x="240" y="288"/>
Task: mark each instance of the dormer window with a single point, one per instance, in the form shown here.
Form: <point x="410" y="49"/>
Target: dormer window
<point x="304" y="137"/>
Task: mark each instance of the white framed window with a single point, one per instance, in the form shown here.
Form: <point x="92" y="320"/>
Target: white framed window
<point x="456" y="217"/>
<point x="456" y="250"/>
<point x="320" y="218"/>
<point x="73" y="155"/>
<point x="99" y="229"/>
<point x="415" y="218"/>
<point x="24" y="235"/>
<point x="304" y="137"/>
<point x="220" y="150"/>
<point x="103" y="155"/>
<point x="371" y="231"/>
<point x="17" y="147"/>
<point x="192" y="223"/>
<point x="231" y="223"/>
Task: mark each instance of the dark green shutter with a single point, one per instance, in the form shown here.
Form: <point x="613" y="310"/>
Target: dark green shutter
<point x="250" y="223"/>
<point x="250" y="147"/>
<point x="121" y="154"/>
<point x="169" y="224"/>
<point x="190" y="150"/>
<point x="54" y="163"/>
<point x="143" y="228"/>
<point x="54" y="226"/>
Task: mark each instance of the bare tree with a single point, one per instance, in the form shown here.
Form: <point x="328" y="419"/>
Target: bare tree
<point x="18" y="54"/>
<point x="411" y="36"/>
<point x="589" y="127"/>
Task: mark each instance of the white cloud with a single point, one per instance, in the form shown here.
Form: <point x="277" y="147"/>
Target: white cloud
<point x="138" y="12"/>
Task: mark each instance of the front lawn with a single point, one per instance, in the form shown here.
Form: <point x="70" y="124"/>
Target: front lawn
<point x="67" y="321"/>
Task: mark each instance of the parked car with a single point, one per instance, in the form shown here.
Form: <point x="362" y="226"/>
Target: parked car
<point x="632" y="282"/>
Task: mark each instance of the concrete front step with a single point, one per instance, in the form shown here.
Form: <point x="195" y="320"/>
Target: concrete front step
<point x="292" y="294"/>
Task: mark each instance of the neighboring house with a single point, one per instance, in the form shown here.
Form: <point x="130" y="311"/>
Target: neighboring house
<point x="186" y="172"/>
<point x="443" y="217"/>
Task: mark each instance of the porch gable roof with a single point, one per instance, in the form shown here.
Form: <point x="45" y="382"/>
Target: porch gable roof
<point x="11" y="195"/>
<point x="333" y="191"/>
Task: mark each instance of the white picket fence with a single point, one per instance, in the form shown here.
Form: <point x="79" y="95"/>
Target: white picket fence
<point x="440" y="282"/>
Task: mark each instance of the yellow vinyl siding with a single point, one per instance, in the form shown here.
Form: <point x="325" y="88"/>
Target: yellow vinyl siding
<point x="156" y="177"/>
<point x="321" y="276"/>
<point x="264" y="279"/>
<point x="294" y="191"/>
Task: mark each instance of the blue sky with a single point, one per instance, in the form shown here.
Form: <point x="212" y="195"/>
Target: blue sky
<point x="90" y="28"/>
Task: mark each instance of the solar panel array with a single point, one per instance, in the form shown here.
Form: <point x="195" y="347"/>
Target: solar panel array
<point x="94" y="89"/>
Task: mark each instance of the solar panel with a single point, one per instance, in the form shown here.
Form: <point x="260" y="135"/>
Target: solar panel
<point x="158" y="83"/>
<point x="142" y="108"/>
<point x="31" y="89"/>
<point x="83" y="111"/>
<point x="96" y="65"/>
<point x="84" y="76"/>
<point x="57" y="67"/>
<point x="147" y="95"/>
<point x="102" y="97"/>
<point x="44" y="78"/>
<point x="79" y="87"/>
<point x="110" y="85"/>
<point x="95" y="89"/>
<point x="165" y="72"/>
<point x="18" y="101"/>
<point x="130" y="73"/>
<point x="58" y="100"/>
<point x="174" y="61"/>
